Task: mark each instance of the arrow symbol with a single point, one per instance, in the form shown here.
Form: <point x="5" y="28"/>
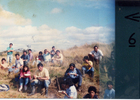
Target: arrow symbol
<point x="133" y="17"/>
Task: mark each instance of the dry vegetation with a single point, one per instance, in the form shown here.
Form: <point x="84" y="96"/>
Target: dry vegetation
<point x="72" y="55"/>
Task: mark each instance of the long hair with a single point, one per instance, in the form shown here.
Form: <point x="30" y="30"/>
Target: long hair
<point x="27" y="68"/>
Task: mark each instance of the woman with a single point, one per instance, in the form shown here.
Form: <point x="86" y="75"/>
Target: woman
<point x="25" y="77"/>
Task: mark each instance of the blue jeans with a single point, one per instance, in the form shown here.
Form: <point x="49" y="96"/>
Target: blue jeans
<point x="9" y="58"/>
<point x="91" y="71"/>
<point x="13" y="69"/>
<point x="45" y="83"/>
<point x="24" y="80"/>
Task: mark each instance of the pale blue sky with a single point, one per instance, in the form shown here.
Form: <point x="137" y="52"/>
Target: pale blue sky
<point x="59" y="15"/>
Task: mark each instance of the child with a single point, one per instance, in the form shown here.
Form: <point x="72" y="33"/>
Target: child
<point x="109" y="92"/>
<point x="87" y="67"/>
<point x="70" y="90"/>
<point x="92" y="93"/>
<point x="25" y="77"/>
<point x="40" y="57"/>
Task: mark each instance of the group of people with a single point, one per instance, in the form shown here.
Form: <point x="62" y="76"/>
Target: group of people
<point x="41" y="77"/>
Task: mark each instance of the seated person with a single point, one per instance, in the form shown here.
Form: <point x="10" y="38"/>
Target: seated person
<point x="87" y="67"/>
<point x="58" y="57"/>
<point x="25" y="57"/>
<point x="18" y="65"/>
<point x="25" y="76"/>
<point x="40" y="57"/>
<point x="91" y="93"/>
<point x="74" y="74"/>
<point x="70" y="92"/>
<point x="96" y="55"/>
<point x="109" y="92"/>
<point x="47" y="56"/>
<point x="30" y="55"/>
<point x="3" y="64"/>
<point x="42" y="78"/>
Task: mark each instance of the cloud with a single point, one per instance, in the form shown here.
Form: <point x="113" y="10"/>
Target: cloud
<point x="45" y="37"/>
<point x="56" y="10"/>
<point x="8" y="19"/>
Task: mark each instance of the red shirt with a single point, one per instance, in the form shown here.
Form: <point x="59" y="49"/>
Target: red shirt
<point x="22" y="74"/>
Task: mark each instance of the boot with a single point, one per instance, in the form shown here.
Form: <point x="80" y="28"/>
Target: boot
<point x="78" y="88"/>
<point x="33" y="91"/>
<point x="46" y="92"/>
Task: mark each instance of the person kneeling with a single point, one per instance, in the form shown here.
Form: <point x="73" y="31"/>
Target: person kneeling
<point x="25" y="77"/>
<point x="41" y="78"/>
<point x="74" y="74"/>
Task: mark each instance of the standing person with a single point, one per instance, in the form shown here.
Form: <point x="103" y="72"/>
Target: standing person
<point x="53" y="51"/>
<point x="18" y="64"/>
<point x="30" y="55"/>
<point x="71" y="92"/>
<point x="74" y="74"/>
<point x="87" y="67"/>
<point x="41" y="77"/>
<point x="47" y="56"/>
<point x="10" y="53"/>
<point x="25" y="57"/>
<point x="3" y="64"/>
<point x="25" y="77"/>
<point x="91" y="93"/>
<point x="109" y="92"/>
<point x="96" y="55"/>
<point x="58" y="57"/>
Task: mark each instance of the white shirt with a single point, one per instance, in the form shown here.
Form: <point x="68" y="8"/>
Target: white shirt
<point x="109" y="94"/>
<point x="97" y="55"/>
<point x="18" y="63"/>
<point x="72" y="92"/>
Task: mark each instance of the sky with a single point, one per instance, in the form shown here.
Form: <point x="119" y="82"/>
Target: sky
<point x="60" y="23"/>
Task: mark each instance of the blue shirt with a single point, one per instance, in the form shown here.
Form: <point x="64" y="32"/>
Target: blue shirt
<point x="47" y="57"/>
<point x="25" y="57"/>
<point x="74" y="71"/>
<point x="9" y="53"/>
<point x="109" y="94"/>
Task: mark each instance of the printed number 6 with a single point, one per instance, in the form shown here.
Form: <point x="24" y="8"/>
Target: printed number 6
<point x="132" y="40"/>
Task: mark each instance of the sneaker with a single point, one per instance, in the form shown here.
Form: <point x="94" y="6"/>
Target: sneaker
<point x="20" y="88"/>
<point x="25" y="87"/>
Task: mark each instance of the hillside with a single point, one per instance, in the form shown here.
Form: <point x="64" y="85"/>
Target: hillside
<point x="72" y="55"/>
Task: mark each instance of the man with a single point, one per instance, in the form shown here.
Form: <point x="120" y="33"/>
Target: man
<point x="53" y="51"/>
<point x="41" y="77"/>
<point x="25" y="57"/>
<point x="10" y="53"/>
<point x="87" y="67"/>
<point x="58" y="57"/>
<point x="3" y="64"/>
<point x="91" y="93"/>
<point x="30" y="55"/>
<point x="70" y="92"/>
<point x="47" y="56"/>
<point x="74" y="74"/>
<point x="96" y="55"/>
<point x="18" y="64"/>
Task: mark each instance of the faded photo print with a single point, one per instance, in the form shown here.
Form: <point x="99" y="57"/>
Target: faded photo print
<point x="57" y="49"/>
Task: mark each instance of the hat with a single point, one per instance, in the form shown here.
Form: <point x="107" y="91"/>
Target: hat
<point x="53" y="47"/>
